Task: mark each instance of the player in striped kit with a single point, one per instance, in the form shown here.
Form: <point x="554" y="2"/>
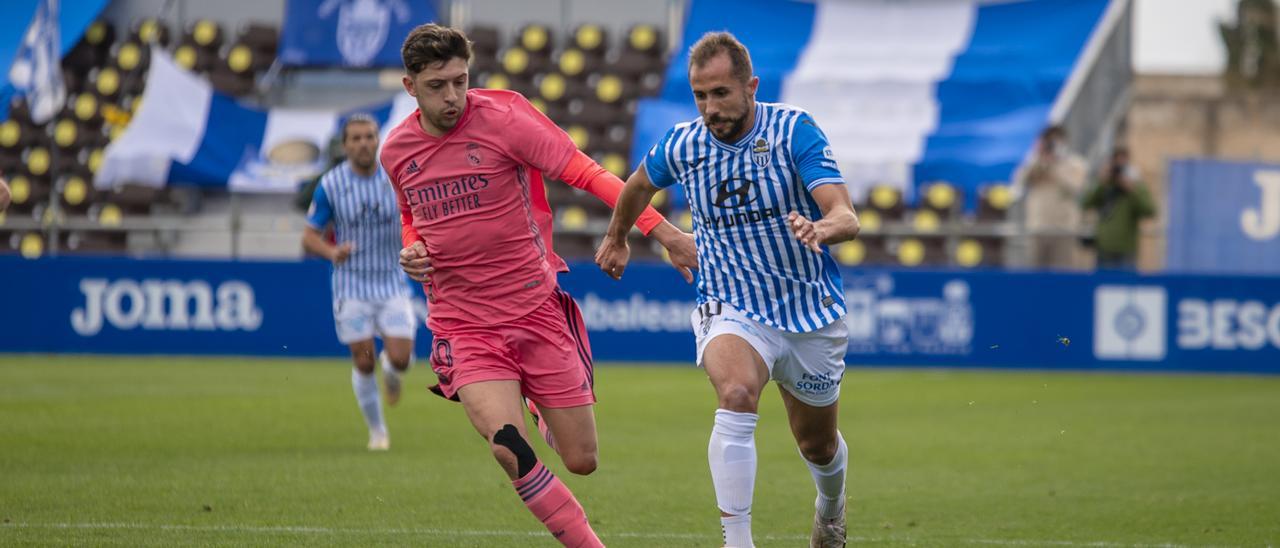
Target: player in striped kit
<point x="767" y="199"/>
<point x="369" y="292"/>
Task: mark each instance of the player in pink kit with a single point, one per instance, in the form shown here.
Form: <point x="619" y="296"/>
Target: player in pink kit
<point x="477" y="233"/>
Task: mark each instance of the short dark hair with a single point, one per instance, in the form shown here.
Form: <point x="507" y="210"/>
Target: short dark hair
<point x="431" y="43"/>
<point x="357" y="118"/>
<point x="714" y="43"/>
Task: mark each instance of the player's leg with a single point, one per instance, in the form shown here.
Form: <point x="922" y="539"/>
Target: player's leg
<point x="355" y="327"/>
<point x="809" y="378"/>
<point x="365" y="385"/>
<point x="558" y="378"/>
<point x="397" y="325"/>
<point x="738" y="373"/>
<point x="573" y="430"/>
<point x="496" y="412"/>
<point x="827" y="457"/>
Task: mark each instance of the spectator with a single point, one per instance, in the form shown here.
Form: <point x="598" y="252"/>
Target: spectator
<point x="1122" y="202"/>
<point x="1053" y="184"/>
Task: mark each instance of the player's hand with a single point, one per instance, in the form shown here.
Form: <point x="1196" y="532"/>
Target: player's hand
<point x="416" y="263"/>
<point x="342" y="253"/>
<point x="683" y="253"/>
<point x="613" y="256"/>
<point x="805" y="231"/>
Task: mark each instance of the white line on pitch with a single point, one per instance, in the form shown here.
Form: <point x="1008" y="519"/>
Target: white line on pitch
<point x="497" y="533"/>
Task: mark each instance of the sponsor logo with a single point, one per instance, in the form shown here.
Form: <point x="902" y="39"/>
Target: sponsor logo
<point x="636" y="314"/>
<point x="879" y="320"/>
<point x="1129" y="322"/>
<point x="1262" y="223"/>
<point x="1227" y="324"/>
<point x="413" y="168"/>
<point x="473" y="154"/>
<point x="165" y="305"/>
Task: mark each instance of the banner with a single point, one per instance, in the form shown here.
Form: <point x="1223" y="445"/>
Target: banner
<point x="987" y="319"/>
<point x="351" y="33"/>
<point x="1224" y="217"/>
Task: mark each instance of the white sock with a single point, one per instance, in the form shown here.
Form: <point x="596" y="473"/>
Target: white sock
<point x="737" y="531"/>
<point x="368" y="398"/>
<point x="388" y="369"/>
<point x="829" y="479"/>
<point x="732" y="456"/>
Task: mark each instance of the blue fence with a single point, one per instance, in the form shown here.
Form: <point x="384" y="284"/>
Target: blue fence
<point x="918" y="318"/>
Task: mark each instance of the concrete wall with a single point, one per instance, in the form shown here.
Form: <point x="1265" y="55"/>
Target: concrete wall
<point x="1181" y="116"/>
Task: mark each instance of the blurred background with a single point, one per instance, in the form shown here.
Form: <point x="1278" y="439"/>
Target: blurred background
<point x="1017" y="144"/>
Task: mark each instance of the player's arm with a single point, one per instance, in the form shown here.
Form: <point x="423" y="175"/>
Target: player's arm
<point x="582" y="172"/>
<point x="839" y="222"/>
<point x="614" y="252"/>
<point x="318" y="217"/>
<point x="413" y="256"/>
<point x="816" y="166"/>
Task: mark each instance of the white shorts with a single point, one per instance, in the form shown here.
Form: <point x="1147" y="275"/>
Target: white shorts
<point x="808" y="365"/>
<point x="358" y="320"/>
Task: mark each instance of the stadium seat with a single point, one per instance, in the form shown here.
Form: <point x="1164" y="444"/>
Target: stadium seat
<point x="994" y="202"/>
<point x="151" y="31"/>
<point x="591" y="39"/>
<point x="194" y="58"/>
<point x="205" y="33"/>
<point x="943" y="199"/>
<point x="13" y="137"/>
<point x="518" y="62"/>
<point x="75" y="193"/>
<point x="911" y="252"/>
<point x="263" y="38"/>
<point x="536" y="39"/>
<point x="576" y="64"/>
<point x="974" y="252"/>
<point x="555" y="88"/>
<point x="887" y="202"/>
<point x="86" y="109"/>
<point x="130" y="58"/>
<point x="647" y="39"/>
<point x="485" y="40"/>
<point x="25" y="193"/>
<point x="29" y="244"/>
<point x="37" y="161"/>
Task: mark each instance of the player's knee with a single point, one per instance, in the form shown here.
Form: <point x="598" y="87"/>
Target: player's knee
<point x="365" y="366"/>
<point x="819" y="450"/>
<point x="512" y="451"/>
<point x="582" y="463"/>
<point x="739" y="398"/>
<point x="399" y="362"/>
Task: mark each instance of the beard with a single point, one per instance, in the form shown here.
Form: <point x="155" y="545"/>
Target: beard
<point x="733" y="126"/>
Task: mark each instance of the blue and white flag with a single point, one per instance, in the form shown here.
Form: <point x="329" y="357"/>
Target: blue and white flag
<point x="352" y="33"/>
<point x="907" y="91"/>
<point x="185" y="132"/>
<point x="36" y="71"/>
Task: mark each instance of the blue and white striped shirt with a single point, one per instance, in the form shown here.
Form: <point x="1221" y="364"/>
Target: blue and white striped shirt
<point x="740" y="195"/>
<point x="364" y="212"/>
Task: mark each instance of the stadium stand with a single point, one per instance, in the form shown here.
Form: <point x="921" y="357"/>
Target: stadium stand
<point x="597" y="80"/>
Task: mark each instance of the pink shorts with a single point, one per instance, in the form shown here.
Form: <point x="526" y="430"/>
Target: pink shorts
<point x="546" y="351"/>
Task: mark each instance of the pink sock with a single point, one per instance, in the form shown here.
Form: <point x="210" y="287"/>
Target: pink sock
<point x="553" y="504"/>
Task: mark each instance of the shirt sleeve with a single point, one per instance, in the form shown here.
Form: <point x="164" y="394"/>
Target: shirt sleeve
<point x="321" y="211"/>
<point x="812" y="155"/>
<point x="536" y="140"/>
<point x="655" y="163"/>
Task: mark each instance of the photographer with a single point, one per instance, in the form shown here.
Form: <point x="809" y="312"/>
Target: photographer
<point x="1052" y="188"/>
<point x="1122" y="201"/>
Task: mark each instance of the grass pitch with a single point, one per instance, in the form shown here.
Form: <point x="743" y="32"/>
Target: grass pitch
<point x="191" y="451"/>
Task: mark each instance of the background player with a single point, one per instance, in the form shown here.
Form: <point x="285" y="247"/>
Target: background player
<point x="771" y="303"/>
<point x="369" y="293"/>
<point x="477" y="232"/>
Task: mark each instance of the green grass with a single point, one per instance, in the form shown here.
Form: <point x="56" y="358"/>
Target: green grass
<point x="183" y="451"/>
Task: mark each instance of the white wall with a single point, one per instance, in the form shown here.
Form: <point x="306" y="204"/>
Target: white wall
<point x="1180" y="36"/>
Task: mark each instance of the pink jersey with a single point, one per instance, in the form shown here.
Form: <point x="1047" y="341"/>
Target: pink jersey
<point x="474" y="197"/>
